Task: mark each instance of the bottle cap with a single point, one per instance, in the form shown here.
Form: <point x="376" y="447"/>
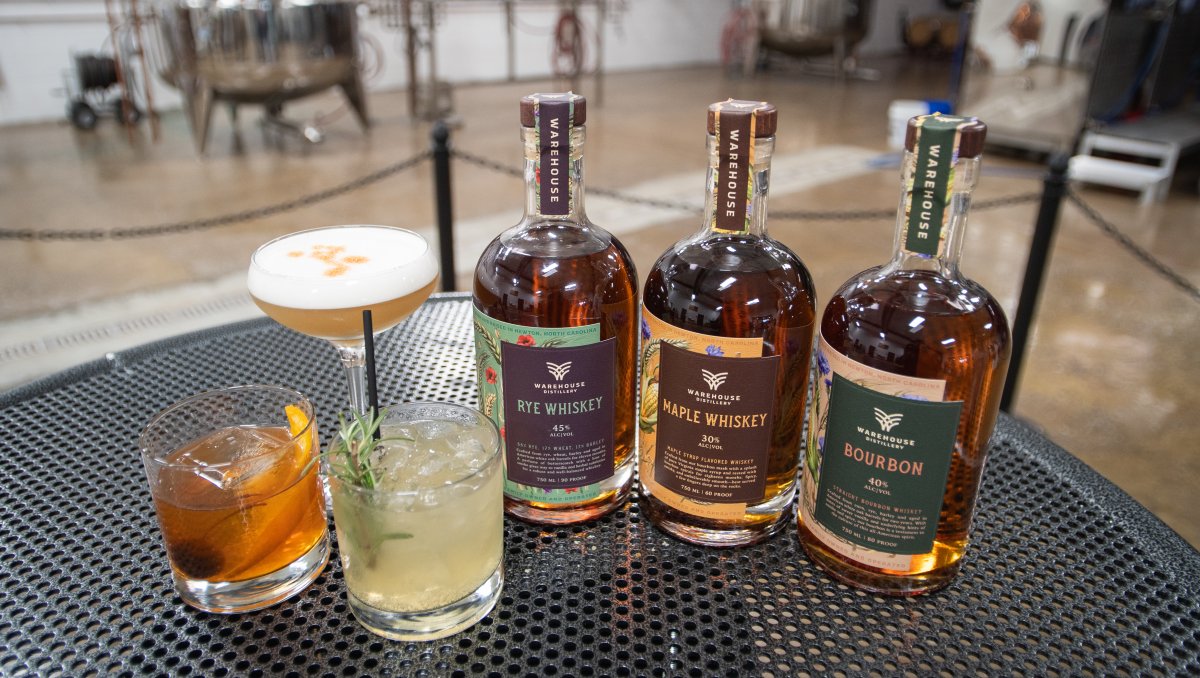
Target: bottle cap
<point x="579" y="116"/>
<point x="971" y="133"/>
<point x="765" y="115"/>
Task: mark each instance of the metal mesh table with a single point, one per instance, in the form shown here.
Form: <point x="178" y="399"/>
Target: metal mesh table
<point x="1066" y="575"/>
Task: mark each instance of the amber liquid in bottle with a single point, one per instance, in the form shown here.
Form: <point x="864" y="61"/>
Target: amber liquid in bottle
<point x="742" y="285"/>
<point x="919" y="317"/>
<point x="564" y="271"/>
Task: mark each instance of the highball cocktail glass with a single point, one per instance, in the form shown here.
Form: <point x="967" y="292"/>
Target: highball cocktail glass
<point x="319" y="282"/>
<point x="234" y="480"/>
<point x="422" y="550"/>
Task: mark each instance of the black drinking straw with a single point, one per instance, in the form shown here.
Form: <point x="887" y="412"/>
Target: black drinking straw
<point x="372" y="389"/>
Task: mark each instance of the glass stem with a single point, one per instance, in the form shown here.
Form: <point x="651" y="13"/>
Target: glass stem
<point x="354" y="359"/>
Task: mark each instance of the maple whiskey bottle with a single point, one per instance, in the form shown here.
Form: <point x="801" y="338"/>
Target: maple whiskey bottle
<point x="911" y="363"/>
<point x="555" y="318"/>
<point x="727" y="326"/>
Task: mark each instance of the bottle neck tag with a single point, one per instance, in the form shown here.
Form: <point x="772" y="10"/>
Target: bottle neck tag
<point x="929" y="195"/>
<point x="553" y="123"/>
<point x="733" y="182"/>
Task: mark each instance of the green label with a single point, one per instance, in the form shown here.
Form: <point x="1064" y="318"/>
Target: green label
<point x="883" y="474"/>
<point x="932" y="181"/>
<point x="490" y="335"/>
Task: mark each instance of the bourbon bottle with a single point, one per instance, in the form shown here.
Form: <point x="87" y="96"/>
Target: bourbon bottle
<point x="727" y="327"/>
<point x="555" y="316"/>
<point x="911" y="363"/>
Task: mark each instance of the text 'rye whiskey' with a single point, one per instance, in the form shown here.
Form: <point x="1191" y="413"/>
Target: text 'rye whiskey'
<point x="911" y="364"/>
<point x="727" y="327"/>
<point x="555" y="304"/>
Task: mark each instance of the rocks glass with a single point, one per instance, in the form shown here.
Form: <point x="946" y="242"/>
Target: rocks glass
<point x="234" y="480"/>
<point x="422" y="549"/>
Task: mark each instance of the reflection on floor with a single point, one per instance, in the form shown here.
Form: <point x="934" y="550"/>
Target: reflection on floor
<point x="1108" y="374"/>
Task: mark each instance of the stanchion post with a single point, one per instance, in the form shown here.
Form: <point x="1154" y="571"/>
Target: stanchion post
<point x="1054" y="187"/>
<point x="445" y="210"/>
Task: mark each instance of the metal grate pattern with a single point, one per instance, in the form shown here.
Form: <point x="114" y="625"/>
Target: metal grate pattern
<point x="1066" y="575"/>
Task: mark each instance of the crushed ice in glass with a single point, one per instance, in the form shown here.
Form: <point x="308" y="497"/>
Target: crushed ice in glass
<point x="438" y="453"/>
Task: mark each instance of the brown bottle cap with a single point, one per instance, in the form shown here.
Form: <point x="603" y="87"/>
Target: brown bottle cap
<point x="579" y="116"/>
<point x="766" y="117"/>
<point x="971" y="133"/>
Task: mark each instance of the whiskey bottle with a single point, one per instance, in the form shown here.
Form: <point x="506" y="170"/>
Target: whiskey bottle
<point x="727" y="323"/>
<point x="555" y="316"/>
<point x="911" y="363"/>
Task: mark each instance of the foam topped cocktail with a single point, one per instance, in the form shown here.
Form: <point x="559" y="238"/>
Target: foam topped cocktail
<point x="320" y="281"/>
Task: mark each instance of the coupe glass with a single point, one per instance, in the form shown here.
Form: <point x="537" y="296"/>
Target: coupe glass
<point x="319" y="282"/>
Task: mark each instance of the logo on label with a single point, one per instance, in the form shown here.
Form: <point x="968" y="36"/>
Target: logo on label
<point x="887" y="422"/>
<point x="558" y="370"/>
<point x="714" y="379"/>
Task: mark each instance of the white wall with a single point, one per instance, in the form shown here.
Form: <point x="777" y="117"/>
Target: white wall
<point x="38" y="39"/>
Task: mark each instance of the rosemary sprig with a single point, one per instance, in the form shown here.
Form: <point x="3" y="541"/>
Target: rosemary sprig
<point x="351" y="460"/>
<point x="352" y="451"/>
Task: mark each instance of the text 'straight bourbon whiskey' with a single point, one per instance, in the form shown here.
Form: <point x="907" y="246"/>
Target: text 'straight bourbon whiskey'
<point x="727" y="326"/>
<point x="911" y="363"/>
<point x="555" y="302"/>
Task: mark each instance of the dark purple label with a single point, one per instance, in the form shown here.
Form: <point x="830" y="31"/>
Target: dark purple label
<point x="554" y="140"/>
<point x="558" y="413"/>
<point x="734" y="142"/>
<point x="714" y="425"/>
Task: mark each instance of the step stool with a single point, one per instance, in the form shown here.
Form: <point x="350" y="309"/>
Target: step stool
<point x="1152" y="181"/>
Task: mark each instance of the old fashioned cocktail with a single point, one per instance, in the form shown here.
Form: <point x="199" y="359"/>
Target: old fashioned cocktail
<point x="235" y="487"/>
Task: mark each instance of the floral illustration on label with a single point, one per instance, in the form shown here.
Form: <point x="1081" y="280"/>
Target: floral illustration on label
<point x="878" y="451"/>
<point x="704" y="434"/>
<point x="549" y="391"/>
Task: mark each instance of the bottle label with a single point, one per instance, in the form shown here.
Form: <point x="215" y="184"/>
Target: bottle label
<point x="705" y="419"/>
<point x="550" y="392"/>
<point x="733" y="182"/>
<point x="553" y="119"/>
<point x="932" y="184"/>
<point x="879" y="451"/>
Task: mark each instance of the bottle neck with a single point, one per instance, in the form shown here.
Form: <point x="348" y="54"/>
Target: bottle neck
<point x="931" y="220"/>
<point x="554" y="178"/>
<point x="728" y="209"/>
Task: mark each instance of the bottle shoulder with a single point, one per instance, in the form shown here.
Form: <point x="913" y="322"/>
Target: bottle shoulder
<point x="929" y="292"/>
<point x="550" y="238"/>
<point x="731" y="254"/>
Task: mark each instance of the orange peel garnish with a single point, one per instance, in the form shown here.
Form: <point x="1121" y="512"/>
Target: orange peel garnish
<point x="297" y="423"/>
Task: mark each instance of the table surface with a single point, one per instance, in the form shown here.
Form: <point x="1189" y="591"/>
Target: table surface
<point x="1065" y="575"/>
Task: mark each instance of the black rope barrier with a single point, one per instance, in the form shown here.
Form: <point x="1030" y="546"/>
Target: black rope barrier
<point x="1133" y="248"/>
<point x="222" y="220"/>
<point x="1105" y="226"/>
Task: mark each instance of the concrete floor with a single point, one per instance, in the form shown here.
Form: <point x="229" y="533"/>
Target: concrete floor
<point x="1110" y="373"/>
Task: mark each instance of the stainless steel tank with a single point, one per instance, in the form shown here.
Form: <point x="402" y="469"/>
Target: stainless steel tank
<point x="258" y="51"/>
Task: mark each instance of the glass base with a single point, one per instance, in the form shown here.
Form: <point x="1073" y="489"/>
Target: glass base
<point x="255" y="594"/>
<point x="431" y="624"/>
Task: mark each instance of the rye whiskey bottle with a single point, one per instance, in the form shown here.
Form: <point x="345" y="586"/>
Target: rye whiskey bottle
<point x="555" y="314"/>
<point x="727" y="327"/>
<point x="911" y="363"/>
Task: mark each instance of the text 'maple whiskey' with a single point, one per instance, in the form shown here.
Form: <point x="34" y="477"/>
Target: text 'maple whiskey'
<point x="555" y="314"/>
<point x="911" y="364"/>
<point x="727" y="326"/>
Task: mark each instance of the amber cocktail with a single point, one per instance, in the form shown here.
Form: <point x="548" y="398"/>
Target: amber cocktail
<point x="234" y="481"/>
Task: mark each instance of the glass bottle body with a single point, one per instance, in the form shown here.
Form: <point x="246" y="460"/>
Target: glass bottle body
<point x="721" y="285"/>
<point x="566" y="272"/>
<point x="915" y="317"/>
